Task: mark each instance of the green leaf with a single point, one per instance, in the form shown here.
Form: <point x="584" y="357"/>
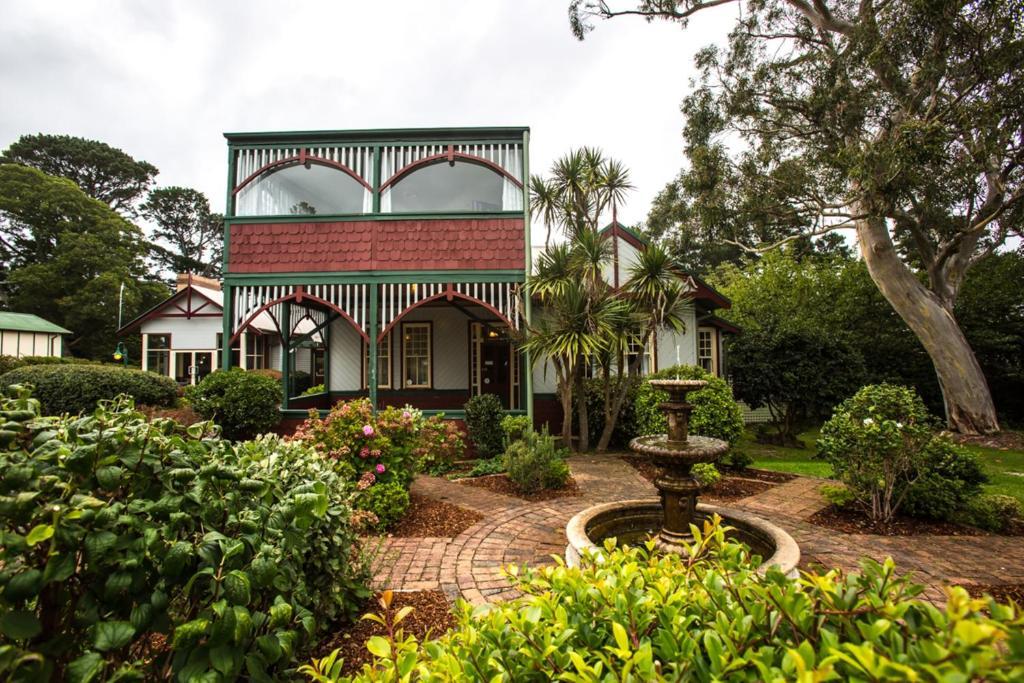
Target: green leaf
<point x="20" y="625"/>
<point x="59" y="568"/>
<point x="24" y="585"/>
<point x="39" y="534"/>
<point x="111" y="635"/>
<point x="86" y="668"/>
<point x="109" y="477"/>
<point x="237" y="587"/>
<point x="379" y="646"/>
<point x="621" y="639"/>
<point x="226" y="660"/>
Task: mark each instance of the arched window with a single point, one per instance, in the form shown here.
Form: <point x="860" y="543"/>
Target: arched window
<point x="452" y="186"/>
<point x="312" y="189"/>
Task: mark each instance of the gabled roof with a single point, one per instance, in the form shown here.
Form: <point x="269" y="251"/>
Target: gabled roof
<point x="27" y="322"/>
<point x="214" y="299"/>
<point x="704" y="291"/>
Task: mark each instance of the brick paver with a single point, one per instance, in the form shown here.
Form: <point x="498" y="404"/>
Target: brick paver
<point x="518" y="532"/>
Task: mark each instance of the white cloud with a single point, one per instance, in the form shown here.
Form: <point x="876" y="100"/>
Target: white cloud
<point x="163" y="80"/>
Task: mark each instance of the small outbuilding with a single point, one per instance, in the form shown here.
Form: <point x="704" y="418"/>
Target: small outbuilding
<point x="25" y="334"/>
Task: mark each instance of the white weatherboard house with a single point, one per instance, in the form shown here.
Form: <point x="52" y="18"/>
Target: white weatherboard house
<point x="182" y="335"/>
<point x="24" y="334"/>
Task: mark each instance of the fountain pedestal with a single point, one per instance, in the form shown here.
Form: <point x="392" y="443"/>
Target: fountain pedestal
<point x="676" y="453"/>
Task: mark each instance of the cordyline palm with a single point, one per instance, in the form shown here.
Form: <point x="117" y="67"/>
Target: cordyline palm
<point x="657" y="299"/>
<point x="578" y="318"/>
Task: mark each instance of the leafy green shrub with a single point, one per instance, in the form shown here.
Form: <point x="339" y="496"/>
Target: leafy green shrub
<point x="993" y="511"/>
<point x="736" y="459"/>
<point x="535" y="463"/>
<point x="708" y="615"/>
<point x="838" y="495"/>
<point x="483" y="467"/>
<point x="715" y="412"/>
<point x="514" y="426"/>
<point x="242" y="403"/>
<point x="315" y="389"/>
<point x="483" y="420"/>
<point x="56" y="360"/>
<point x="951" y="477"/>
<point x="439" y="445"/>
<point x="388" y="502"/>
<point x="116" y="530"/>
<point x="882" y="441"/>
<point x="76" y="388"/>
<point x="706" y="474"/>
<point x="626" y="426"/>
<point x="8" y="363"/>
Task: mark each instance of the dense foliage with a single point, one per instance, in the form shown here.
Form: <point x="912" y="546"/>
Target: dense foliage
<point x="594" y="392"/>
<point x="76" y="387"/>
<point x="8" y="363"/>
<point x="185" y="222"/>
<point x="534" y="463"/>
<point x="483" y="422"/>
<point x="883" y="445"/>
<point x="141" y="549"/>
<point x="244" y="404"/>
<point x="637" y="615"/>
<point x="715" y="412"/>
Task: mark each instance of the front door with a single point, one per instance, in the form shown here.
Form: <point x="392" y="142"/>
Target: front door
<point x="495" y="373"/>
<point x="190" y="367"/>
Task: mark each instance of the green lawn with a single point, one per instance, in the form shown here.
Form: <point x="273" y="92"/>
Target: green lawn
<point x="998" y="464"/>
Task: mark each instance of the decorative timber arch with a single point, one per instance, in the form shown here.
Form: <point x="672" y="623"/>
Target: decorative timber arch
<point x="500" y="298"/>
<point x="301" y="159"/>
<point x="251" y="301"/>
<point x="450" y="156"/>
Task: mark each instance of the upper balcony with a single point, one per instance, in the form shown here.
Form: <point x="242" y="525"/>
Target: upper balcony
<point x="382" y="174"/>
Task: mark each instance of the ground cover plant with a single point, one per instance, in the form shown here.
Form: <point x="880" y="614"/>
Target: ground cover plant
<point x="136" y="549"/>
<point x="637" y="615"/>
<point x="244" y="404"/>
<point x="77" y="387"/>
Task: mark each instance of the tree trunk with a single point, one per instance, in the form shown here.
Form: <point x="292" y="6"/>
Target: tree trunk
<point x="565" y="396"/>
<point x="612" y="417"/>
<point x="581" y="402"/>
<point x="969" y="406"/>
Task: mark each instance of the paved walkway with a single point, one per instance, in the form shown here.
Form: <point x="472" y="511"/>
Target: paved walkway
<point x="516" y="532"/>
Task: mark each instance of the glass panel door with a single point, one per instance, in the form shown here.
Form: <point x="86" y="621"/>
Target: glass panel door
<point x="202" y="365"/>
<point x="183" y="367"/>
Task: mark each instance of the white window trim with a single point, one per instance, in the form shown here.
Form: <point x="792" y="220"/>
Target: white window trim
<point x="386" y="343"/>
<point x="430" y="355"/>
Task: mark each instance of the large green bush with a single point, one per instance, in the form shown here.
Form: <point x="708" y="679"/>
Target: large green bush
<point x="637" y="615"/>
<point x="884" y="445"/>
<point x="534" y="463"/>
<point x="244" y="404"/>
<point x="387" y="501"/>
<point x="715" y="412"/>
<point x="146" y="550"/>
<point x="75" y="388"/>
<point x="483" y="422"/>
<point x="626" y="426"/>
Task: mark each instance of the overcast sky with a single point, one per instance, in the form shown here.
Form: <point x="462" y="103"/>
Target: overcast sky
<point x="163" y="80"/>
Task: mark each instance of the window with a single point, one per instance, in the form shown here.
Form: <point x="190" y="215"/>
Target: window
<point x="312" y="189"/>
<point x="647" y="365"/>
<point x="383" y="363"/>
<point x="158" y="354"/>
<point x="706" y="349"/>
<point x="461" y="186"/>
<point x="236" y="350"/>
<point x="416" y="358"/>
<point x="257" y="352"/>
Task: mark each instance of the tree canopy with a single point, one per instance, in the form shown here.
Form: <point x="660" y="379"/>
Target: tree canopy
<point x="101" y="171"/>
<point x="902" y="120"/>
<point x="184" y="221"/>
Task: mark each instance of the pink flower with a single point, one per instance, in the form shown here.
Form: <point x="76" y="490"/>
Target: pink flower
<point x="380" y="468"/>
<point x="365" y="481"/>
<point x="367" y="430"/>
<point x="364" y="452"/>
<point x="406" y="414"/>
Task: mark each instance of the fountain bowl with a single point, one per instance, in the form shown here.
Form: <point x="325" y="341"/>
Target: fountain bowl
<point x="634" y="521"/>
<point x="663" y="451"/>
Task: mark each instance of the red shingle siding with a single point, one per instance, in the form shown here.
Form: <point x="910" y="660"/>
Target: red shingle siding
<point x="449" y="244"/>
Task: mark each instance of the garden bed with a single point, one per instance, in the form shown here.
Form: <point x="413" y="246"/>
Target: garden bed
<point x="849" y="520"/>
<point x="431" y="615"/>
<point x="500" y="483"/>
<point x="434" y="518"/>
<point x="734" y="488"/>
<point x="1002" y="592"/>
<point x="749" y="483"/>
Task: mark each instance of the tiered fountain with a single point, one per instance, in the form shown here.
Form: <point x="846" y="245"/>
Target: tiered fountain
<point x="668" y="518"/>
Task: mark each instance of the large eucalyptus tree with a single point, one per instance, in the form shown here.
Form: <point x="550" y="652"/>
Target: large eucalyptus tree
<point x="903" y="121"/>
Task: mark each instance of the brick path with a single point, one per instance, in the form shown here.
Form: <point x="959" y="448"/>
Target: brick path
<point x="516" y="532"/>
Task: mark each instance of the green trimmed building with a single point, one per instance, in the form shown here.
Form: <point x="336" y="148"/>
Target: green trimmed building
<point x="24" y="334"/>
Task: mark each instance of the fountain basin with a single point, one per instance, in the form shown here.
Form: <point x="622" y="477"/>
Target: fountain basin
<point x="663" y="451"/>
<point x="634" y="521"/>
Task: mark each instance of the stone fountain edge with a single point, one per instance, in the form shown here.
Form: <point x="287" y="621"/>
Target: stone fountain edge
<point x="786" y="556"/>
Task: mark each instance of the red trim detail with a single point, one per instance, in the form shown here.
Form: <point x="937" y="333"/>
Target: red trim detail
<point x="450" y="156"/>
<point x="291" y="297"/>
<point x="305" y="160"/>
<point x="449" y="294"/>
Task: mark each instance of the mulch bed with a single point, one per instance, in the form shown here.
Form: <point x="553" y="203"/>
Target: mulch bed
<point x="850" y="520"/>
<point x="429" y="517"/>
<point x="500" y="483"/>
<point x="1004" y="440"/>
<point x="748" y="482"/>
<point x="1003" y="592"/>
<point x="431" y="616"/>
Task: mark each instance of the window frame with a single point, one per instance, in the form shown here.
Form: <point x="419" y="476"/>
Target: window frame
<point x="712" y="355"/>
<point x="429" y="326"/>
<point x="308" y="163"/>
<point x="426" y="165"/>
<point x="169" y="350"/>
<point x="388" y="343"/>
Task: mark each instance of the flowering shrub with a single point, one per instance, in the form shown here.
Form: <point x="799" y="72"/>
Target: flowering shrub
<point x="440" y="445"/>
<point x="883" y="444"/>
<point x="705" y="615"/>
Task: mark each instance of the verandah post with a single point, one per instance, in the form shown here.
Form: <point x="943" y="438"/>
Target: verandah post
<point x="371" y="364"/>
<point x="527" y="381"/>
<point x="286" y="352"/>
<point x="228" y="315"/>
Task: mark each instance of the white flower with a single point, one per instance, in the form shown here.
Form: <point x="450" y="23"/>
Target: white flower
<point x="868" y="421"/>
<point x="899" y="425"/>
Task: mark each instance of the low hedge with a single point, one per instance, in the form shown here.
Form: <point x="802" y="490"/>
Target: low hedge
<point x="243" y="403"/>
<point x="8" y="363"/>
<point x="706" y="615"/>
<point x="74" y="388"/>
